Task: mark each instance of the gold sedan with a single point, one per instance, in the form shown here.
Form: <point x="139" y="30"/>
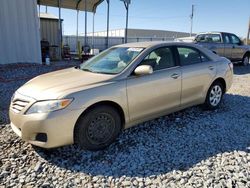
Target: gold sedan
<point x="127" y="84"/>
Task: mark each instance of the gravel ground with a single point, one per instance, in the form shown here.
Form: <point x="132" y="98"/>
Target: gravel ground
<point x="191" y="148"/>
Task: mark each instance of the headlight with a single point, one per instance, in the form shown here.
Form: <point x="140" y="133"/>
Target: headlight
<point x="13" y="96"/>
<point x="48" y="106"/>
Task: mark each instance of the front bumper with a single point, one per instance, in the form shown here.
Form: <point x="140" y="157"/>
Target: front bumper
<point x="58" y="127"/>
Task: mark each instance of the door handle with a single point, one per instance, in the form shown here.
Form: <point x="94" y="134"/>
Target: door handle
<point x="175" y="76"/>
<point x="211" y="67"/>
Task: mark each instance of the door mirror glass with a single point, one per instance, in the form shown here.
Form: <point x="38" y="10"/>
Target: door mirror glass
<point x="143" y="70"/>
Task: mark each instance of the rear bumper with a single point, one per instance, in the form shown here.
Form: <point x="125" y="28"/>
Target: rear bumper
<point x="58" y="127"/>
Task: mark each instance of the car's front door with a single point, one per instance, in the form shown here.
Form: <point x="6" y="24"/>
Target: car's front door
<point x="237" y="51"/>
<point x="198" y="71"/>
<point x="155" y="93"/>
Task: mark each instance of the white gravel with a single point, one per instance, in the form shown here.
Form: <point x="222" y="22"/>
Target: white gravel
<point x="191" y="148"/>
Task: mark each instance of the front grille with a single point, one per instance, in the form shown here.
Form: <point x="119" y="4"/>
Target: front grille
<point x="18" y="105"/>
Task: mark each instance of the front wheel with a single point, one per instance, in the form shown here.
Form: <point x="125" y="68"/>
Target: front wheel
<point x="214" y="96"/>
<point x="98" y="128"/>
<point x="246" y="60"/>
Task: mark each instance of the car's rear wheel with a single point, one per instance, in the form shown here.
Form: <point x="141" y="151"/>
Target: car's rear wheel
<point x="98" y="128"/>
<point x="214" y="96"/>
<point x="246" y="60"/>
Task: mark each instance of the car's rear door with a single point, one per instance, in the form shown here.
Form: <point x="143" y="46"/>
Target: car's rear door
<point x="227" y="46"/>
<point x="212" y="41"/>
<point x="198" y="72"/>
<point x="155" y="93"/>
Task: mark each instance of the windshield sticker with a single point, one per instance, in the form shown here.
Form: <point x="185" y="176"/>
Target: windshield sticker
<point x="135" y="49"/>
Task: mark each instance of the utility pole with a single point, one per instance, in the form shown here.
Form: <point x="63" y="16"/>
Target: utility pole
<point x="191" y="19"/>
<point x="126" y="4"/>
<point x="248" y="32"/>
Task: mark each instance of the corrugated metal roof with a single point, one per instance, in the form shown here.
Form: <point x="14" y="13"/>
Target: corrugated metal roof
<point x="73" y="4"/>
<point x="48" y="16"/>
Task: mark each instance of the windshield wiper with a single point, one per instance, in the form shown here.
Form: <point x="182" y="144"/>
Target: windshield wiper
<point x="98" y="72"/>
<point x="77" y="67"/>
<point x="88" y="70"/>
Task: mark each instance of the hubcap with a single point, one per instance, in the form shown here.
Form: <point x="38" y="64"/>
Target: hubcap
<point x="101" y="128"/>
<point x="215" y="95"/>
<point x="246" y="60"/>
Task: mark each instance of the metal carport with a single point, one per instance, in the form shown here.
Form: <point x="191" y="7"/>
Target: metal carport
<point x="79" y="5"/>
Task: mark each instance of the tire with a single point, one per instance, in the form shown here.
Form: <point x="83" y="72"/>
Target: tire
<point x="214" y="96"/>
<point x="246" y="60"/>
<point x="98" y="128"/>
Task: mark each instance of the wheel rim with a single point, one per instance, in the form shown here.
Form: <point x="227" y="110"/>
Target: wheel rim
<point x="215" y="95"/>
<point x="101" y="128"/>
<point x="246" y="60"/>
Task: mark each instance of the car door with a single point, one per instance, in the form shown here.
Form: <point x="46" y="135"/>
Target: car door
<point x="237" y="51"/>
<point x="155" y="93"/>
<point x="198" y="72"/>
<point x="227" y="46"/>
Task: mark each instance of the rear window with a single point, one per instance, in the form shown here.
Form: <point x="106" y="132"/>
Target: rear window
<point x="209" y="38"/>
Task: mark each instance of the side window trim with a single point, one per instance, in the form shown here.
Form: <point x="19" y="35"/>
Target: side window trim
<point x="236" y="37"/>
<point x="224" y="38"/>
<point x="173" y="51"/>
<point x="195" y="49"/>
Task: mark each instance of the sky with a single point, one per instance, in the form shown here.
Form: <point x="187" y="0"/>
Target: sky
<point x="209" y="15"/>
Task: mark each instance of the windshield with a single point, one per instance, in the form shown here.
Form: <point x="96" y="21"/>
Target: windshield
<point x="111" y="61"/>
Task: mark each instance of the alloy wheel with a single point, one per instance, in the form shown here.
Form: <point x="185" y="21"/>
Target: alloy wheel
<point x="215" y="95"/>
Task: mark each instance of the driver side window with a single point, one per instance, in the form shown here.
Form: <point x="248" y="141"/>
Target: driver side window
<point x="161" y="58"/>
<point x="235" y="39"/>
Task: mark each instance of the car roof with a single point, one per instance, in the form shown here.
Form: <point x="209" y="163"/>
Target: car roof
<point x="214" y="32"/>
<point x="152" y="43"/>
<point x="209" y="32"/>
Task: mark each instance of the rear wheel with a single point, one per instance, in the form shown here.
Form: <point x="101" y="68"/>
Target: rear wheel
<point x="246" y="60"/>
<point x="214" y="96"/>
<point x="98" y="128"/>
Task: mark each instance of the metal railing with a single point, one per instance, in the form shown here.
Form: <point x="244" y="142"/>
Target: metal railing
<point x="100" y="42"/>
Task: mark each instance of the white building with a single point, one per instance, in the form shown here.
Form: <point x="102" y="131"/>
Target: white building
<point x="141" y="33"/>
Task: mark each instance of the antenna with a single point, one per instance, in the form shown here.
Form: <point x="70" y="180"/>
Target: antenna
<point x="191" y="19"/>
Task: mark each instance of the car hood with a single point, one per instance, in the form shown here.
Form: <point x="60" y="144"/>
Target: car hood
<point x="59" y="83"/>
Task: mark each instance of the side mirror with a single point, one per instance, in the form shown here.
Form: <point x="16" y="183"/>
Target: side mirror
<point x="143" y="70"/>
<point x="241" y="43"/>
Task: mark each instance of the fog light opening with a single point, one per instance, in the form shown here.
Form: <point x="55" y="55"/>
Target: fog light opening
<point x="41" y="137"/>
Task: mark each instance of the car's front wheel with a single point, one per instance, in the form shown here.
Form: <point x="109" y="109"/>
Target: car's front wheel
<point x="214" y="96"/>
<point x="98" y="128"/>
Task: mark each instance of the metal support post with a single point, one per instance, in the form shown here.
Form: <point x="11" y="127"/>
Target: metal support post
<point x="60" y="30"/>
<point x="107" y="38"/>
